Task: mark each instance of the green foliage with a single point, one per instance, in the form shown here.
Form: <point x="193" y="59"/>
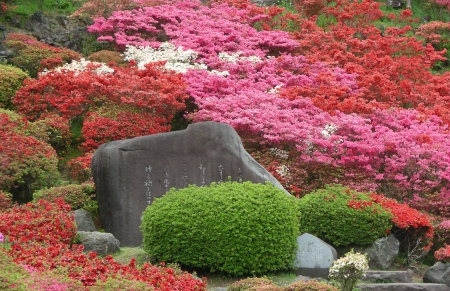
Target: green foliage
<point x="77" y="196"/>
<point x="11" y="79"/>
<point x="11" y="274"/>
<point x="310" y="286"/>
<point x="326" y="213"/>
<point x="235" y="228"/>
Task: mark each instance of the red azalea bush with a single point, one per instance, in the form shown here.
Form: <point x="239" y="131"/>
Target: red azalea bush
<point x="44" y="222"/>
<point x="79" y="169"/>
<point x="123" y="104"/>
<point x="34" y="56"/>
<point x="27" y="163"/>
<point x="411" y="227"/>
<point x="41" y="235"/>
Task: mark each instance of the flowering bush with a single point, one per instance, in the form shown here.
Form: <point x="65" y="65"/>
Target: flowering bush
<point x="123" y="104"/>
<point x="348" y="270"/>
<point x="27" y="163"/>
<point x="41" y="235"/>
<point x="412" y="228"/>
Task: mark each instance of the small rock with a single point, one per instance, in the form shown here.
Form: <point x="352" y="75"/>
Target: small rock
<point x="84" y="221"/>
<point x="438" y="273"/>
<point x="99" y="242"/>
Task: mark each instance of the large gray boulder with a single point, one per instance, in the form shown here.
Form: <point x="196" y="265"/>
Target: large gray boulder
<point x="99" y="242"/>
<point x="84" y="221"/>
<point x="438" y="273"/>
<point x="383" y="252"/>
<point x="130" y="174"/>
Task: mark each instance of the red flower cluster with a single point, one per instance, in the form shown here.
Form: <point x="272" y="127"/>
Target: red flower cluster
<point x="407" y="220"/>
<point x="41" y="236"/>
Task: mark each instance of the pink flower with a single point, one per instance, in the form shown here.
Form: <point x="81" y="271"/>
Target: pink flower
<point x="2" y="238"/>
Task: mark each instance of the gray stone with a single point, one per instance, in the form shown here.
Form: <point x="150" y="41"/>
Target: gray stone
<point x="314" y="256"/>
<point x="397" y="4"/>
<point x="84" y="220"/>
<point x="403" y="287"/>
<point x="383" y="252"/>
<point x="388" y="276"/>
<point x="264" y="2"/>
<point x="6" y="54"/>
<point x="99" y="242"/>
<point x="130" y="174"/>
<point x="438" y="273"/>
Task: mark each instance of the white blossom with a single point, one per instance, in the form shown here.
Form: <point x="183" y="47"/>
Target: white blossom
<point x="283" y="171"/>
<point x="80" y="66"/>
<point x="279" y="153"/>
<point x="233" y="58"/>
<point x="328" y="130"/>
<point x="176" y="58"/>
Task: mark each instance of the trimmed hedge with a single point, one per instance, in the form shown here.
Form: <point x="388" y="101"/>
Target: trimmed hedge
<point x="11" y="79"/>
<point x="235" y="228"/>
<point x="342" y="217"/>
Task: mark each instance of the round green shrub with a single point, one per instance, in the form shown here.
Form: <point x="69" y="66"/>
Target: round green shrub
<point x="11" y="79"/>
<point x="327" y="214"/>
<point x="235" y="228"/>
<point x="310" y="286"/>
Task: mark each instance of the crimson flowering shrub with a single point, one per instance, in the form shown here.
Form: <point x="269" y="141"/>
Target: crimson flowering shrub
<point x="79" y="169"/>
<point x="411" y="227"/>
<point x="27" y="163"/>
<point x="41" y="235"/>
<point x="123" y="104"/>
<point x="437" y="33"/>
<point x="44" y="222"/>
<point x="33" y="56"/>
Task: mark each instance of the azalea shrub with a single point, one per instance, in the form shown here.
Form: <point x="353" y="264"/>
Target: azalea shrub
<point x="343" y="217"/>
<point x="79" y="169"/>
<point x="226" y="227"/>
<point x="33" y="56"/>
<point x="43" y="243"/>
<point x="27" y="163"/>
<point x="412" y="228"/>
<point x="11" y="79"/>
<point x="115" y="103"/>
